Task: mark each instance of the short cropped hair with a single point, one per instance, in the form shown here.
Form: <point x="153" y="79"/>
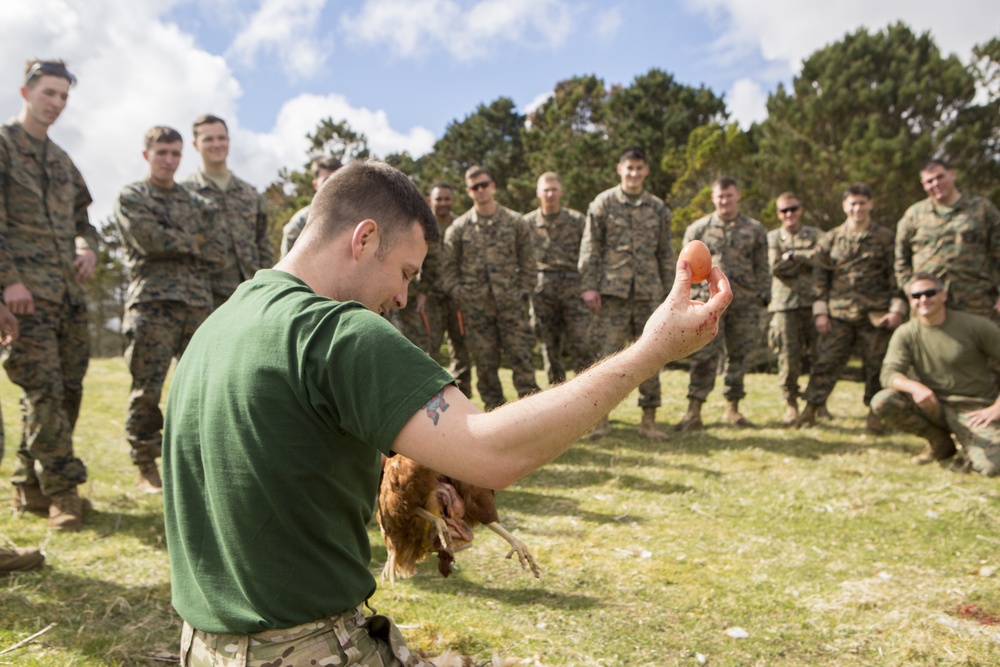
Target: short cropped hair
<point x="550" y="176"/>
<point x="724" y="183"/>
<point x="788" y="195"/>
<point x="633" y="153"/>
<point x="476" y="170"/>
<point x="36" y="69"/>
<point x="440" y="185"/>
<point x="933" y="164"/>
<point x="206" y="119"/>
<point x="161" y="134"/>
<point x="326" y="163"/>
<point x="370" y="189"/>
<point x="925" y="275"/>
<point x="858" y="190"/>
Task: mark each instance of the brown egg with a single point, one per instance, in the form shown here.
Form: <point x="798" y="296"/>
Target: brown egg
<point x="698" y="256"/>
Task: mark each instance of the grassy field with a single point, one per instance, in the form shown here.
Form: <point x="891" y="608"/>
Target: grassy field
<point x="727" y="547"/>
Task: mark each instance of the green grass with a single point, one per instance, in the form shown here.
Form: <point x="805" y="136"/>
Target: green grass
<point x="825" y="545"/>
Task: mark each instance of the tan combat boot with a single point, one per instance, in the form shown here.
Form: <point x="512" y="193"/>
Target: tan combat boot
<point x="29" y="498"/>
<point x="148" y="480"/>
<point x="732" y="414"/>
<point x="66" y="510"/>
<point x="791" y="412"/>
<point x="808" y="416"/>
<point x="691" y="421"/>
<point x="939" y="447"/>
<point x="18" y="558"/>
<point x="601" y="429"/>
<point x="874" y="424"/>
<point x="648" y="429"/>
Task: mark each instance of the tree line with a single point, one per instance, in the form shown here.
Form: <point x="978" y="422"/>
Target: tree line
<point x="872" y="107"/>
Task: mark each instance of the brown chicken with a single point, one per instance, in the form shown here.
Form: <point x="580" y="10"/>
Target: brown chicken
<point x="421" y="511"/>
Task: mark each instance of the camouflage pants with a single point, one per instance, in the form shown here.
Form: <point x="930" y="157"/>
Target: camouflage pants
<point x="792" y="337"/>
<point x="981" y="443"/>
<point x="562" y="324"/>
<point x="442" y="316"/>
<point x="345" y="639"/>
<point x="157" y="332"/>
<point x="48" y="362"/>
<point x="427" y="336"/>
<point x="490" y="328"/>
<point x="619" y="322"/>
<point x="833" y="351"/>
<point x="738" y="329"/>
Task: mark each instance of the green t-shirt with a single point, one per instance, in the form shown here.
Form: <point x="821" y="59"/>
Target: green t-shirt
<point x="276" y="421"/>
<point x="952" y="359"/>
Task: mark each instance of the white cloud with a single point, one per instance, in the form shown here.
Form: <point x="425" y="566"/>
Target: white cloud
<point x="607" y="25"/>
<point x="470" y="32"/>
<point x="287" y="28"/>
<point x="747" y="100"/>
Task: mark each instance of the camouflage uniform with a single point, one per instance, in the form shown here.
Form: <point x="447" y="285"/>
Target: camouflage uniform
<point x="739" y="248"/>
<point x="290" y="232"/>
<point x="792" y="334"/>
<point x="959" y="244"/>
<point x="43" y="220"/>
<point x="489" y="270"/>
<point x="852" y="283"/>
<point x="625" y="254"/>
<point x="349" y="638"/>
<point x="242" y="214"/>
<point x="171" y="244"/>
<point x="562" y="320"/>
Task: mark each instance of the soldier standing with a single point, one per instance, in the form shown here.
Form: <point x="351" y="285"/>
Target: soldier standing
<point x="792" y="335"/>
<point x="171" y="243"/>
<point x="562" y="320"/>
<point x="857" y="303"/>
<point x="322" y="168"/>
<point x="489" y="272"/>
<point x="739" y="247"/>
<point x="47" y="248"/>
<point x="241" y="211"/>
<point x="626" y="267"/>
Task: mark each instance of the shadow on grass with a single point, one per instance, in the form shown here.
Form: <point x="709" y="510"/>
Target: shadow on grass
<point x="457" y="585"/>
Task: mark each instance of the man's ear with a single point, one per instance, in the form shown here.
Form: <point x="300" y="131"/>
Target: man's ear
<point x="365" y="238"/>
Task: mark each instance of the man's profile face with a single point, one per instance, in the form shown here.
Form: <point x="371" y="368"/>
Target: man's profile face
<point x="163" y="159"/>
<point x="441" y="200"/>
<point x="726" y="201"/>
<point x="633" y="174"/>
<point x="549" y="192"/>
<point x="212" y="141"/>
<point x="481" y="188"/>
<point x="320" y="176"/>
<point x="46" y="98"/>
<point x="386" y="279"/>
<point x="926" y="305"/>
<point x="858" y="208"/>
<point x="939" y="184"/>
<point x="790" y="214"/>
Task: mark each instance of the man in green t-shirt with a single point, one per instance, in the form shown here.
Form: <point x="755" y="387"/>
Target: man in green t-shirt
<point x="290" y="393"/>
<point x="951" y="390"/>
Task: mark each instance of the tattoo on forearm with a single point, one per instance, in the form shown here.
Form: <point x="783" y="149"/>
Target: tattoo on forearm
<point x="435" y="406"/>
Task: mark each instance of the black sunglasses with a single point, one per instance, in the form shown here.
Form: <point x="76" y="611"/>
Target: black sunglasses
<point x="480" y="186"/>
<point x="927" y="292"/>
<point x="789" y="209"/>
<point x="50" y="68"/>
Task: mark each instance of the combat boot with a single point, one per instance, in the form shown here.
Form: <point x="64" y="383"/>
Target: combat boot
<point x="874" y="424"/>
<point x="691" y="421"/>
<point x="732" y="414"/>
<point x="808" y="416"/>
<point x="601" y="429"/>
<point x="18" y="558"/>
<point x="939" y="447"/>
<point x="648" y="429"/>
<point x="29" y="498"/>
<point x="791" y="412"/>
<point x="66" y="510"/>
<point x="823" y="413"/>
<point x="148" y="480"/>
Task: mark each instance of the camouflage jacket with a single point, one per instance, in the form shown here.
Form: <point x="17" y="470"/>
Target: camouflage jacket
<point x="488" y="259"/>
<point x="171" y="243"/>
<point x="739" y="248"/>
<point x="429" y="281"/>
<point x="243" y="213"/>
<point x="43" y="216"/>
<point x="290" y="232"/>
<point x="790" y="258"/>
<point x="959" y="244"/>
<point x="557" y="243"/>
<point x="852" y="274"/>
<point x="627" y="245"/>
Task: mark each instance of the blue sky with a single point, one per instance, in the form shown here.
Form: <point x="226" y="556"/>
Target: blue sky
<point x="401" y="70"/>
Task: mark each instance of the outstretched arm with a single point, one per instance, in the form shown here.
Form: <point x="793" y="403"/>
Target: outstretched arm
<point x="497" y="448"/>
